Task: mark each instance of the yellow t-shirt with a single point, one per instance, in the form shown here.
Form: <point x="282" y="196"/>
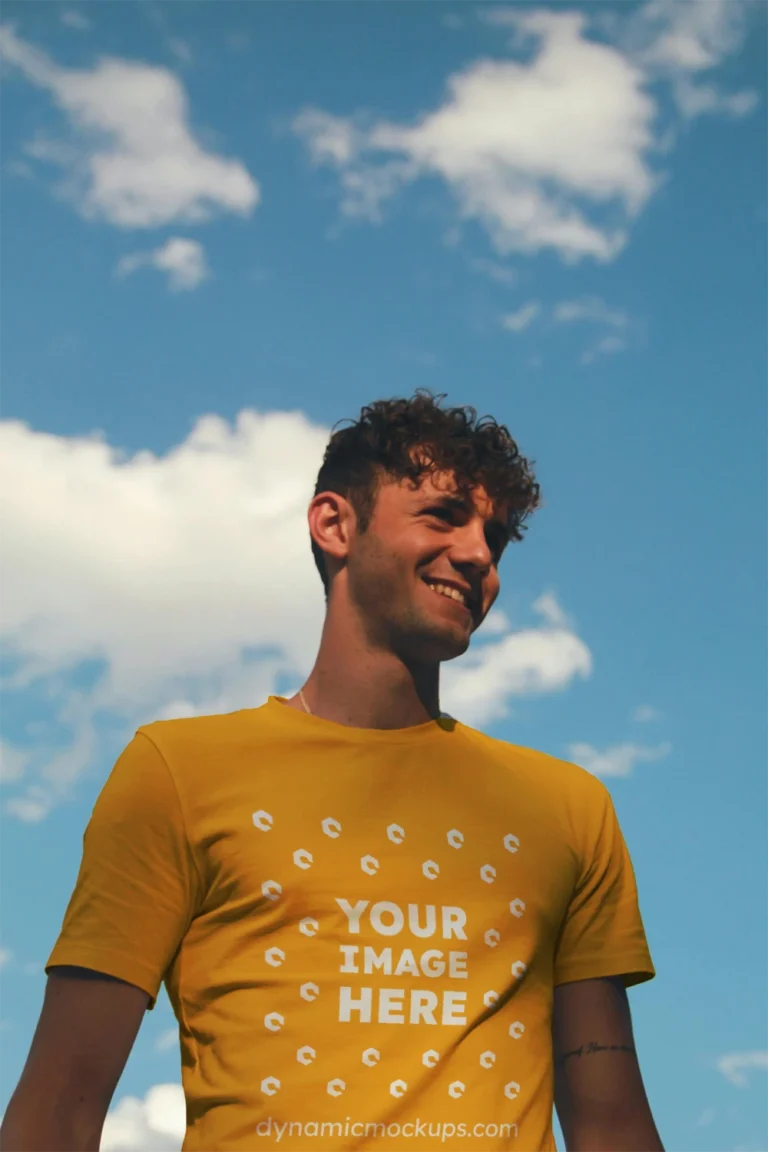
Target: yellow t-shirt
<point x="359" y="930"/>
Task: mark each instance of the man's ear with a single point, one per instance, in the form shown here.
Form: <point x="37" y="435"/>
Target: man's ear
<point x="332" y="523"/>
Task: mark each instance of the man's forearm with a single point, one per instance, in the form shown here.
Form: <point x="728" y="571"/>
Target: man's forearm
<point x="611" y="1134"/>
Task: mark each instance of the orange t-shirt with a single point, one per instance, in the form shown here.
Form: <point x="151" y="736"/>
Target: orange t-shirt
<point x="359" y="930"/>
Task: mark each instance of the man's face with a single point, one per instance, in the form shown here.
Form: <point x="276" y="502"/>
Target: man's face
<point x="424" y="574"/>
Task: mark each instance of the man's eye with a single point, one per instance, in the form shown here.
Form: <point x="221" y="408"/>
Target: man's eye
<point x="441" y="513"/>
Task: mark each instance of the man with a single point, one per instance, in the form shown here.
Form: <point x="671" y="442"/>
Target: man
<point x="378" y="928"/>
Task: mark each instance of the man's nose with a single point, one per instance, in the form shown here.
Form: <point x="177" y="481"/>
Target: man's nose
<point x="471" y="548"/>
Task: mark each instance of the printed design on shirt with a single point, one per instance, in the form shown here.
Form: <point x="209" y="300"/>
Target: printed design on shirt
<point x="363" y="1004"/>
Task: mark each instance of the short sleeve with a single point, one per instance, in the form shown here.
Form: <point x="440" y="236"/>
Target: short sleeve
<point x="603" y="933"/>
<point x="138" y="886"/>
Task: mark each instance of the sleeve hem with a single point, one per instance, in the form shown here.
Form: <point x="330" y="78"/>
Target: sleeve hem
<point x="72" y="956"/>
<point x="636" y="969"/>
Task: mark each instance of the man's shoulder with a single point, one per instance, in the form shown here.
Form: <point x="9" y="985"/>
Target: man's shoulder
<point x="551" y="772"/>
<point x="218" y="729"/>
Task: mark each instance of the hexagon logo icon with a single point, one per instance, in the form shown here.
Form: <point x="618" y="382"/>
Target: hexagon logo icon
<point x="430" y="869"/>
<point x="274" y="957"/>
<point x="302" y="858"/>
<point x="519" y="969"/>
<point x="512" y="1090"/>
<point x="488" y="873"/>
<point x="306" y="1054"/>
<point x="270" y="1085"/>
<point x="511" y="843"/>
<point x="271" y="889"/>
<point x="274" y="1021"/>
<point x="398" y="1088"/>
<point x="492" y="937"/>
<point x="456" y="1089"/>
<point x="262" y="820"/>
<point x="371" y="1056"/>
<point x="455" y="838"/>
<point x="430" y="1058"/>
<point x="309" y="991"/>
<point x="516" y="1030"/>
<point x="488" y="1059"/>
<point x="517" y="907"/>
<point x="490" y="998"/>
<point x="336" y="1087"/>
<point x="331" y="827"/>
<point x="395" y="833"/>
<point x="369" y="865"/>
<point x="309" y="926"/>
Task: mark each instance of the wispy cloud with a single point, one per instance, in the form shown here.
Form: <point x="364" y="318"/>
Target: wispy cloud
<point x="5" y="956"/>
<point x="589" y="309"/>
<point x="521" y="319"/>
<point x="735" y="1066"/>
<point x="617" y="759"/>
<point x="71" y="18"/>
<point x="167" y="1040"/>
<point x="182" y="260"/>
<point x="501" y="273"/>
<point x="132" y="158"/>
<point x="645" y="713"/>
<point x="605" y="346"/>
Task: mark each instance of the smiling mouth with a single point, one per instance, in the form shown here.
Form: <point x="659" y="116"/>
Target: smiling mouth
<point x="448" y="592"/>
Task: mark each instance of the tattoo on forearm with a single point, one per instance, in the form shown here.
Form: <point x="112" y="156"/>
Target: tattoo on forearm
<point x="590" y="1048"/>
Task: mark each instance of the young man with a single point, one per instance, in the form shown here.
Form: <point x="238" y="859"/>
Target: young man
<point x="378" y="928"/>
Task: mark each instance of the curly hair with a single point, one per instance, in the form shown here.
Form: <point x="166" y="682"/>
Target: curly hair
<point x="404" y="439"/>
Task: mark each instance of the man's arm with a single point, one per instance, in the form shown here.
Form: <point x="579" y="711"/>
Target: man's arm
<point x="599" y="1092"/>
<point x="86" y="1030"/>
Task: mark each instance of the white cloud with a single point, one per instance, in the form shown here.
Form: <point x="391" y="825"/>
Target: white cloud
<point x="71" y="18"/>
<point x="589" y="309"/>
<point x="167" y="1040"/>
<point x="5" y="956"/>
<point x="156" y="1123"/>
<point x="183" y="261"/>
<point x="680" y="39"/>
<point x="132" y="158"/>
<point x="735" y="1065"/>
<point x="605" y="346"/>
<point x="180" y="49"/>
<point x="501" y="273"/>
<point x="518" y="321"/>
<point x="528" y="147"/>
<point x="644" y="713"/>
<point x="550" y="149"/>
<point x="12" y="762"/>
<point x="617" y="760"/>
<point x="188" y="579"/>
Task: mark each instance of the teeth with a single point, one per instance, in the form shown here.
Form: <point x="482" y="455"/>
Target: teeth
<point x="446" y="590"/>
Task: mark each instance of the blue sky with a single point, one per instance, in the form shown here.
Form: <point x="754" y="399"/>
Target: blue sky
<point x="227" y="226"/>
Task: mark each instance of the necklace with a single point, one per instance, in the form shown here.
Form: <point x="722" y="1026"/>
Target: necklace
<point x="304" y="702"/>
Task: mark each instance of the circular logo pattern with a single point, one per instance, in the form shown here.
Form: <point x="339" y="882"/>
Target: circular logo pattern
<point x="511" y="843"/>
<point x="516" y="1030"/>
<point x="492" y="937"/>
<point x="369" y="865"/>
<point x="511" y="1090"/>
<point x="262" y="820"/>
<point x="456" y="1089"/>
<point x="302" y="858"/>
<point x="517" y="907"/>
<point x="395" y="833"/>
<point x="309" y="926"/>
<point x="490" y="998"/>
<point x="430" y="869"/>
<point x="336" y="1087"/>
<point x="371" y="1057"/>
<point x="306" y="1054"/>
<point x="430" y="1058"/>
<point x="455" y="838"/>
<point x="270" y="1085"/>
<point x="488" y="873"/>
<point x="274" y="957"/>
<point x="488" y="1059"/>
<point x="274" y="1021"/>
<point x="398" y="1088"/>
<point x="519" y="969"/>
<point x="309" y="991"/>
<point x="331" y="827"/>
<point x="271" y="889"/>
